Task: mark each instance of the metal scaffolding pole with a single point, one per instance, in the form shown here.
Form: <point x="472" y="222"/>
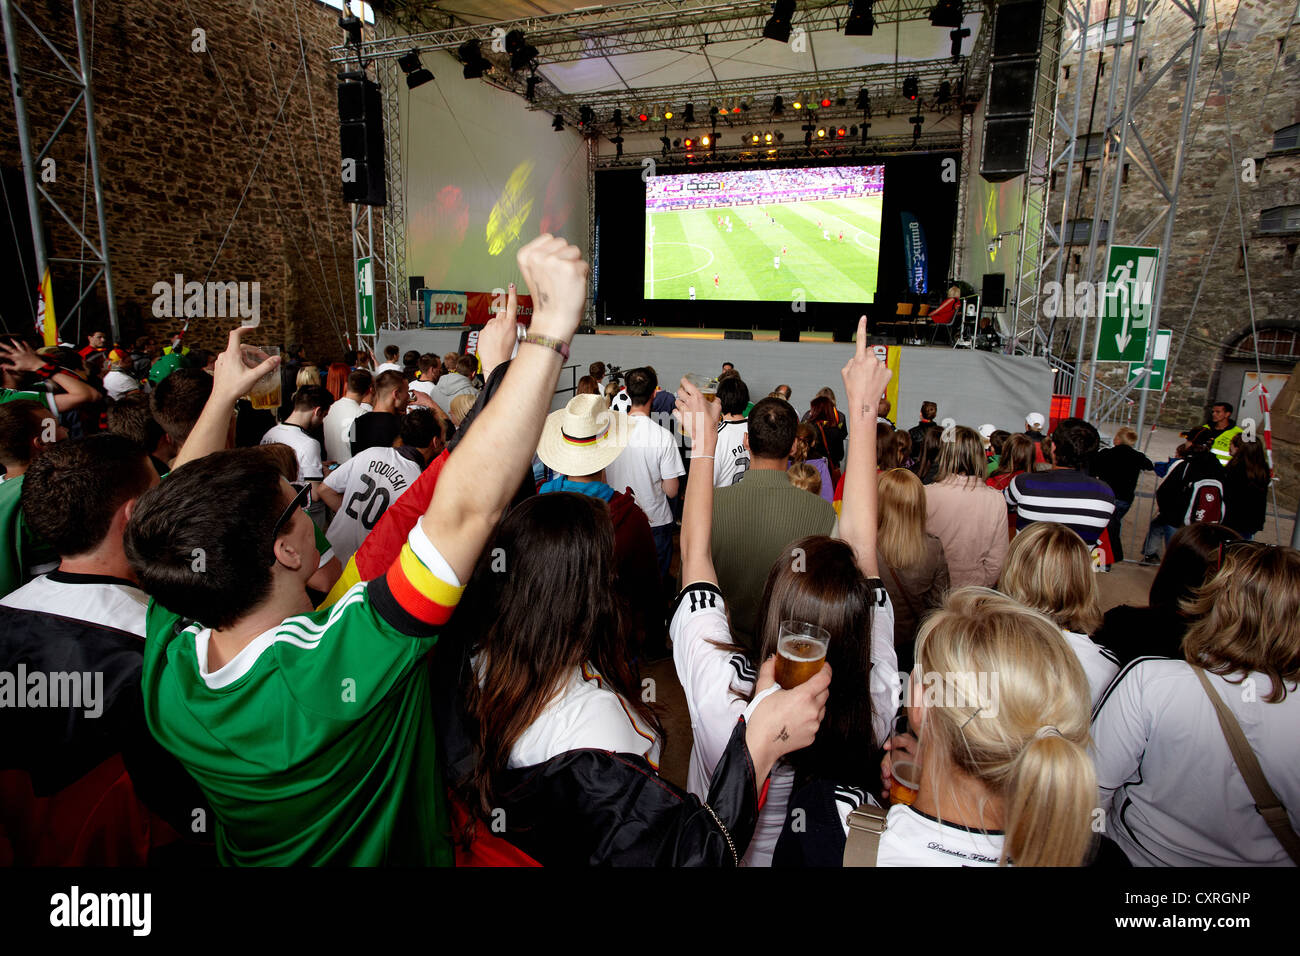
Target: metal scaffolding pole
<point x="1198" y="35"/>
<point x="91" y="250"/>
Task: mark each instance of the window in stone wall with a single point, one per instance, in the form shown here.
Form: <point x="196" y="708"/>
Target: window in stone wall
<point x="1279" y="344"/>
<point x="1124" y="173"/>
<point x="1087" y="176"/>
<point x="1106" y="31"/>
<point x="1280" y="219"/>
<point x="1079" y="231"/>
<point x="1288" y="137"/>
<point x="1088" y="147"/>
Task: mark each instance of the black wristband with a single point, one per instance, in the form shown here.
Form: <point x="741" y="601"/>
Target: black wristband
<point x="47" y="370"/>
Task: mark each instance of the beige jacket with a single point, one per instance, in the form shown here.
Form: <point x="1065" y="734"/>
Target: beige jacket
<point x="970" y="518"/>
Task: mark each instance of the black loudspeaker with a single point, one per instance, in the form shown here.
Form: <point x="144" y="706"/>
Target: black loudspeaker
<point x="993" y="294"/>
<point x="417" y="283"/>
<point x="790" y="330"/>
<point x="1013" y="75"/>
<point x="742" y="336"/>
<point x="1018" y="29"/>
<point x="843" y="332"/>
<point x="361" y="138"/>
<point x="885" y="340"/>
<point x="1004" y="153"/>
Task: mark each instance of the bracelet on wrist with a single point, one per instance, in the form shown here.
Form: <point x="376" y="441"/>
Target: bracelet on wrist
<point x="710" y="457"/>
<point x="547" y="342"/>
<point x="47" y="370"/>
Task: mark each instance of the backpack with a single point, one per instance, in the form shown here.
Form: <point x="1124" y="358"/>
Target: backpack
<point x="1205" y="502"/>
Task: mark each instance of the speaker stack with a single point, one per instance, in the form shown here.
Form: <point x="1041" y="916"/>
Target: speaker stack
<point x="361" y="138"/>
<point x="1009" y="105"/>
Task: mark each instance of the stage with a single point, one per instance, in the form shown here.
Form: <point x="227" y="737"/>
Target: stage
<point x="972" y="387"/>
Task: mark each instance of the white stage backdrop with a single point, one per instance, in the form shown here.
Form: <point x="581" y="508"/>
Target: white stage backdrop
<point x="971" y="387"/>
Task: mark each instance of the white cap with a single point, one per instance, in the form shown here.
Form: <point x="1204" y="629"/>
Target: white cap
<point x="986" y="430"/>
<point x="1035" y="420"/>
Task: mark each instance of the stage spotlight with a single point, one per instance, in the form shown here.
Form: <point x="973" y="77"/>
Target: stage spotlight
<point x="416" y="74"/>
<point x="663" y="139"/>
<point x="821" y="132"/>
<point x="826" y="102"/>
<point x="943" y="94"/>
<point x="352" y="27"/>
<point x="688" y="142"/>
<point x="840" y="98"/>
<point x="521" y="52"/>
<point x="586" y="116"/>
<point x="861" y="22"/>
<point x="956" y="36"/>
<point x="642" y="117"/>
<point x="618" y="119"/>
<point x="778" y="105"/>
<point x="618" y="146"/>
<point x="853" y="130"/>
<point x="798" y="102"/>
<point x="780" y="136"/>
<point x="557" y="123"/>
<point x="713" y="111"/>
<point x="911" y="87"/>
<point x="864" y="101"/>
<point x="689" y="116"/>
<point x="946" y="13"/>
<point x="866" y="128"/>
<point x="705" y="140"/>
<point x="654" y="114"/>
<point x="753" y="137"/>
<point x="778" y="25"/>
<point x="840" y="133"/>
<point x="475" y="63"/>
<point x="767" y="137"/>
<point x="916" y="122"/>
<point x="668" y="114"/>
<point x="530" y="88"/>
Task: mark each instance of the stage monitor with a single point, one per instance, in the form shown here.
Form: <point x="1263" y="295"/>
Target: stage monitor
<point x="766" y="235"/>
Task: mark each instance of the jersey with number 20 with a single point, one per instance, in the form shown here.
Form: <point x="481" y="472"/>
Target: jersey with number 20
<point x="369" y="483"/>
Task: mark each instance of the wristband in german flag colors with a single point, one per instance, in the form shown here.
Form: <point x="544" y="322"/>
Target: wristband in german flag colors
<point x="47" y="370"/>
<point x="420" y="592"/>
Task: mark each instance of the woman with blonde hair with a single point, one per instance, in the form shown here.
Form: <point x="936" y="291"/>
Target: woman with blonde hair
<point x="808" y="450"/>
<point x="460" y="406"/>
<point x="912" y="563"/>
<point x="307" y="375"/>
<point x="1174" y="792"/>
<point x="805" y="476"/>
<point x="968" y="516"/>
<point x="1049" y="568"/>
<point x="999" y="705"/>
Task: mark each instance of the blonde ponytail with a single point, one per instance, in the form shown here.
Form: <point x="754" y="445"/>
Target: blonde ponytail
<point x="1019" y="725"/>
<point x="1049" y="801"/>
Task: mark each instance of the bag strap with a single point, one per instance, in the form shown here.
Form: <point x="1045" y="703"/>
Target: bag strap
<point x="1267" y="804"/>
<point x="866" y="824"/>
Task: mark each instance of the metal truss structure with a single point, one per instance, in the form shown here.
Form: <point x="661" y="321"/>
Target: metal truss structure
<point x="75" y="74"/>
<point x="1034" y="219"/>
<point x="963" y="190"/>
<point x="1122" y="142"/>
<point x="397" y="294"/>
<point x="874" y="147"/>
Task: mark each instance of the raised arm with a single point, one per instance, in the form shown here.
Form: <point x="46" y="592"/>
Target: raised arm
<point x="479" y="480"/>
<point x="699" y="418"/>
<point x="231" y="380"/>
<point x="19" y="355"/>
<point x="865" y="378"/>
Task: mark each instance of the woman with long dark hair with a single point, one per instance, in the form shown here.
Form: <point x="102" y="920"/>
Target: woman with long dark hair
<point x="830" y="583"/>
<point x="1017" y="457"/>
<point x="1245" y="487"/>
<point x="809" y="450"/>
<point x="824" y="417"/>
<point x="927" y="457"/>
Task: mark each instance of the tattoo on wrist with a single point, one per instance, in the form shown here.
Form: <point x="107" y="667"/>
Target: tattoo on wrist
<point x="781" y="736"/>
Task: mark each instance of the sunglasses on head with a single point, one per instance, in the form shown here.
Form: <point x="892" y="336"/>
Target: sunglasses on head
<point x="298" y="501"/>
<point x="1228" y="547"/>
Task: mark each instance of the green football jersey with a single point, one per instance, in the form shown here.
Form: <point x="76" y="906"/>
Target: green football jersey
<point x="315" y="744"/>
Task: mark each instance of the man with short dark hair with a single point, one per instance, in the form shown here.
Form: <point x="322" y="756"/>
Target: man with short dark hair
<point x="1223" y="429"/>
<point x="178" y="400"/>
<point x="882" y="412"/>
<point x="326" y="716"/>
<point x="929" y="411"/>
<point x="87" y="618"/>
<point x="379" y="428"/>
<point x="132" y="418"/>
<point x="96" y="344"/>
<point x="338" y="420"/>
<point x="391" y="353"/>
<point x="27" y="428"/>
<point x="731" y="457"/>
<point x="429" y="374"/>
<point x="727" y="367"/>
<point x="650" y="466"/>
<point x="310" y="405"/>
<point x="783" y="391"/>
<point x="756" y="520"/>
<point x="1066" y="494"/>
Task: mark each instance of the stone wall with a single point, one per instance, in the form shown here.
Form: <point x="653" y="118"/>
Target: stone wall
<point x="220" y="165"/>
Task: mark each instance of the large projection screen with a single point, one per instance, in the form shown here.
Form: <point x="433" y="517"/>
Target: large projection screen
<point x="765" y="235"/>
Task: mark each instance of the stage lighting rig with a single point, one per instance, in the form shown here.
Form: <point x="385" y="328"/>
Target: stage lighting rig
<point x="943" y="95"/>
<point x="642" y="117"/>
<point x="956" y="36"/>
<point x="416" y="74"/>
<point x="521" y="52"/>
<point x="778" y="25"/>
<point x="530" y="88"/>
<point x="778" y="105"/>
<point x="475" y="63"/>
<point x="689" y="116"/>
<point x="799" y="101"/>
<point x="946" y="13"/>
<point x="841" y="133"/>
<point x="688" y="142"/>
<point x="618" y="119"/>
<point x="586" y="116"/>
<point x="861" y="21"/>
<point x="557" y="122"/>
<point x="667" y="144"/>
<point x="668" y="114"/>
<point x="911" y="87"/>
<point x="821" y="132"/>
<point x="866" y="129"/>
<point x="351" y="25"/>
<point x="916" y="122"/>
<point x="618" y="146"/>
<point x="864" y="101"/>
<point x="826" y="102"/>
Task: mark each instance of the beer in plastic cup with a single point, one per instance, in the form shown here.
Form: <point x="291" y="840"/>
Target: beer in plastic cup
<point x="265" y="392"/>
<point x="800" y="652"/>
<point x="707" y="385"/>
<point x="907" y="778"/>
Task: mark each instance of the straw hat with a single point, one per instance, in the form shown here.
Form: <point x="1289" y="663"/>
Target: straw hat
<point x="583" y="437"/>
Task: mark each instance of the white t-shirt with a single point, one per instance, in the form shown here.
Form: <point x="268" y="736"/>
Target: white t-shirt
<point x="87" y="597"/>
<point x="716" y="683"/>
<point x="426" y="387"/>
<point x="117" y="383"/>
<point x="1099" y="665"/>
<point x="387" y="367"/>
<point x="304" y="446"/>
<point x="912" y="838"/>
<point x="731" y="459"/>
<point x="338" y="427"/>
<point x="650" y="457"/>
<point x="369" y="483"/>
<point x="586" y="714"/>
<point x="1172" y="792"/>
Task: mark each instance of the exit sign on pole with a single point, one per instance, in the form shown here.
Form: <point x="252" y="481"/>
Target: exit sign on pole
<point x="1159" y="362"/>
<point x="1126" y="301"/>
